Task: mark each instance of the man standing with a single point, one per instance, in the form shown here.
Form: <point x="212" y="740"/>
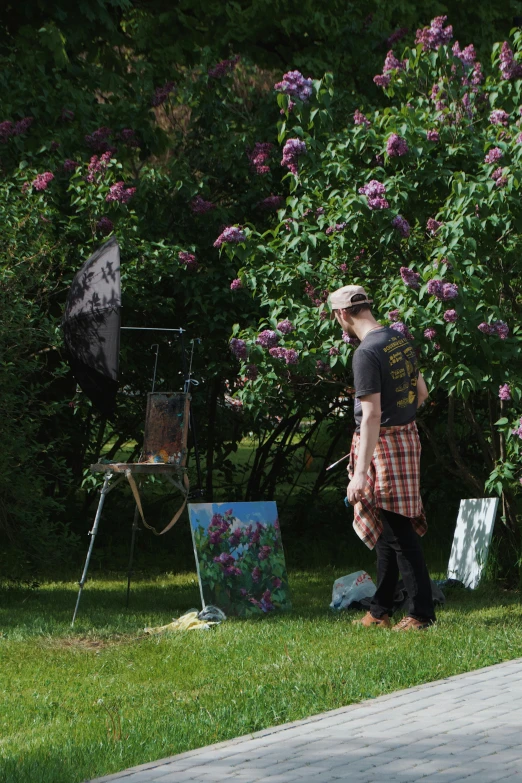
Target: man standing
<point x="384" y="467"/>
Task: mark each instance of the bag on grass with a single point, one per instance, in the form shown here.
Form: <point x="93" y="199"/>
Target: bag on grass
<point x="352" y="589"/>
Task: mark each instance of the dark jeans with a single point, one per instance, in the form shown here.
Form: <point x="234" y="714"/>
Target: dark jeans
<point x="398" y="549"/>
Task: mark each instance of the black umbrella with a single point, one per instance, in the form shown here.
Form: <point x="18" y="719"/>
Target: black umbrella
<point x="91" y="326"/>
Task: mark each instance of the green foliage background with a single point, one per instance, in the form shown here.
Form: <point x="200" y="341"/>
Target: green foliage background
<point x="75" y="69"/>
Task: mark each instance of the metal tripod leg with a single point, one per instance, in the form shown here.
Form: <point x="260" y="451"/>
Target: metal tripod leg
<point x="135" y="528"/>
<point x="104" y="491"/>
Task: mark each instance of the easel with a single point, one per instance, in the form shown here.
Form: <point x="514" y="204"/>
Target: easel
<point x="170" y="464"/>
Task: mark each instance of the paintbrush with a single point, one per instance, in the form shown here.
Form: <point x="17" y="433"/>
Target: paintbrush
<point x="338" y="461"/>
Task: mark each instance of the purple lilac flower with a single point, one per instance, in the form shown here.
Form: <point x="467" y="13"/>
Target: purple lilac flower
<point x="128" y="137"/>
<point x="256" y="574"/>
<point x="271" y="203"/>
<point x="264" y="552"/>
<point x="295" y="84"/>
<point x="266" y="602"/>
<point x="97" y="166"/>
<point x="393" y="315"/>
<point x="98" y="140"/>
<point x="70" y="165"/>
<point x="430" y="333"/>
<point x="322" y="367"/>
<point x="238" y="348"/>
<point x="236" y="284"/>
<point x="360" y="119"/>
<point x="499" y="117"/>
<point x="232" y="234"/>
<point x="382" y="80"/>
<point x="6" y="131"/>
<point x="504" y="392"/>
<point x="467" y="55"/>
<point x="501" y="329"/>
<point x="252" y="372"/>
<point x="22" y="126"/>
<point x="292" y="356"/>
<point x="433" y="226"/>
<point x="402" y="329"/>
<point x="224" y="559"/>
<point x="486" y="328"/>
<point x="334" y="351"/>
<point x="398" y="35"/>
<point x="435" y="35"/>
<point x="410" y="278"/>
<point x="391" y="63"/>
<point x="259" y="155"/>
<point x="232" y="571"/>
<point x="291" y="151"/>
<point x="276" y="582"/>
<point x="493" y="155"/>
<point x="267" y="338"/>
<point x="199" y="206"/>
<point x="433" y="135"/>
<point x="438" y="96"/>
<point x="350" y="340"/>
<point x="277" y="352"/>
<point x="497" y="173"/>
<point x="285" y="327"/>
<point x="402" y="226"/>
<point x="509" y="68"/>
<point x="374" y="191"/>
<point x="477" y="77"/>
<point x="235" y="537"/>
<point x="334" y="229"/>
<point x="500" y="181"/>
<point x="450" y="316"/>
<point x="104" y="226"/>
<point x="42" y="180"/>
<point x="449" y="291"/>
<point x="320" y="210"/>
<point x="435" y="288"/>
<point x="188" y="259"/>
<point x="162" y="93"/>
<point x="396" y="146"/>
<point x="215" y="537"/>
<point x="223" y="68"/>
<point x="118" y="192"/>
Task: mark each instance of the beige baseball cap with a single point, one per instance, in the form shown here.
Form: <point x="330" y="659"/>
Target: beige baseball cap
<point x="342" y="298"/>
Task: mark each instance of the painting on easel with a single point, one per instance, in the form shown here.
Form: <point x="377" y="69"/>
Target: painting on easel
<point x="240" y="558"/>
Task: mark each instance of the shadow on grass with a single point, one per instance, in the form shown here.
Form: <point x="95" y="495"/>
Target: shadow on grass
<point x="103" y="613"/>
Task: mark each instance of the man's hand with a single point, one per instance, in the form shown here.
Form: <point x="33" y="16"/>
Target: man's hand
<point x="356" y="487"/>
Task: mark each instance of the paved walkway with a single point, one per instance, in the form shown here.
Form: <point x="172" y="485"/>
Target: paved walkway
<point x="467" y="727"/>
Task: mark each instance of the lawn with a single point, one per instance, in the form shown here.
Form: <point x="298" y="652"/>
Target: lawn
<point x="80" y="703"/>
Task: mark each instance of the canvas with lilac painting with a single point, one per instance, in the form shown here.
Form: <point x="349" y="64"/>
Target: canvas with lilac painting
<point x="240" y="558"/>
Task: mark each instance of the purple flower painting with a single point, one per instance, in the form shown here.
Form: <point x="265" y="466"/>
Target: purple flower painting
<point x="240" y="558"/>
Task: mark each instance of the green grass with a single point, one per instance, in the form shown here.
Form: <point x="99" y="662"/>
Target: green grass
<point x="75" y="704"/>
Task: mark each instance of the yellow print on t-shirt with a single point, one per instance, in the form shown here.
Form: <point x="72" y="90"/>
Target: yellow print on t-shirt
<point x="400" y="372"/>
<point x="395" y="357"/>
<point x="398" y="342"/>
<point x="403" y="386"/>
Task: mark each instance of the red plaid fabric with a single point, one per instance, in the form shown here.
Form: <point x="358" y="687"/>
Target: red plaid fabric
<point x="393" y="482"/>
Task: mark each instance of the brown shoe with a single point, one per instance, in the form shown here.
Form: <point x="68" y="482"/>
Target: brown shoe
<point x="369" y="621"/>
<point x="411" y="624"/>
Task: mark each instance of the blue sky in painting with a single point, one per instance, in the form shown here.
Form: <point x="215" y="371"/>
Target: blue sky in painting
<point x="264" y="511"/>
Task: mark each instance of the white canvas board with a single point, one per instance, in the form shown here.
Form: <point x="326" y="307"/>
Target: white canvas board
<point x="472" y="539"/>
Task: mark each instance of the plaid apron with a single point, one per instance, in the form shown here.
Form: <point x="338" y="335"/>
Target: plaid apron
<point x="393" y="482"/>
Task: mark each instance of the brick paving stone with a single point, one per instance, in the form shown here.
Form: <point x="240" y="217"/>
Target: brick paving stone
<point x="466" y="727"/>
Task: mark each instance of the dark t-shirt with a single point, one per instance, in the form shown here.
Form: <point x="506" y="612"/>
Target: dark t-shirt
<point x="385" y="362"/>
